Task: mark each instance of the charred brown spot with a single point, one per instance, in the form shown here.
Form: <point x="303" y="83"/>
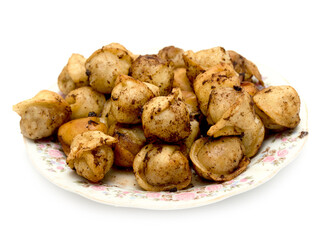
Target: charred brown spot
<point x="227" y="118"/>
<point x="174" y="189"/>
<point x="91" y="122"/>
<point x="242" y="135"/>
<point x="159" y="149"/>
<point x="151" y="56"/>
<point x="88" y="72"/>
<point x="96" y="155"/>
<point x="120" y="56"/>
<point x="237" y="88"/>
<point x="204" y="82"/>
<point x="303" y="134"/>
<point x="92" y="114"/>
<point x="120" y="134"/>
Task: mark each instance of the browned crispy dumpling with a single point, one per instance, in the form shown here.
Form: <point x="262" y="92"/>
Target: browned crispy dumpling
<point x="118" y="45"/>
<point x="85" y="100"/>
<point x="166" y="118"/>
<point x="154" y="70"/>
<point x="219" y="159"/>
<point x="253" y="137"/>
<point x="221" y="100"/>
<point x="232" y="113"/>
<point x="201" y="61"/>
<point x="91" y="155"/>
<point x="73" y="74"/>
<point x="244" y="67"/>
<point x="69" y="130"/>
<point x="104" y="65"/>
<point x="42" y="114"/>
<point x="128" y="97"/>
<point x="221" y="75"/>
<point x="173" y="54"/>
<point x="131" y="139"/>
<point x="278" y="107"/>
<point x="161" y="167"/>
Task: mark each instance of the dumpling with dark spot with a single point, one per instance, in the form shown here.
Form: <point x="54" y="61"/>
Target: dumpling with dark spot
<point x="220" y="159"/>
<point x="42" y="114"/>
<point x="162" y="167"/>
<point x="166" y="118"/>
<point x="128" y="97"/>
<point x="278" y="107"/>
<point x="91" y="155"/>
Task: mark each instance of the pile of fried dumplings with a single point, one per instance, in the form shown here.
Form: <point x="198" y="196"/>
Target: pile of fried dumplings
<point x="160" y="115"/>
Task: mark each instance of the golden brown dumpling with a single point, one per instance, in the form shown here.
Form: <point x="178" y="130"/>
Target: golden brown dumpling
<point x="42" y="114"/>
<point x="73" y="74"/>
<point x="221" y="75"/>
<point x="166" y="118"/>
<point x="128" y="97"/>
<point x="201" y="61"/>
<point x="104" y="65"/>
<point x="219" y="159"/>
<point x="252" y="137"/>
<point x="91" y="155"/>
<point x="154" y="70"/>
<point x="69" y="130"/>
<point x="222" y="99"/>
<point x="173" y="54"/>
<point x="84" y="101"/>
<point x="244" y="67"/>
<point x="131" y="139"/>
<point x="278" y="107"/>
<point x="161" y="167"/>
<point x="232" y="113"/>
<point x="118" y="45"/>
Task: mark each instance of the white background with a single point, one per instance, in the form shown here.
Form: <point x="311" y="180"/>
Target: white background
<point x="37" y="38"/>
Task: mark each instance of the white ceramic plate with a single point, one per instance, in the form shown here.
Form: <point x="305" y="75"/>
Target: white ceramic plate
<point x="119" y="187"/>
